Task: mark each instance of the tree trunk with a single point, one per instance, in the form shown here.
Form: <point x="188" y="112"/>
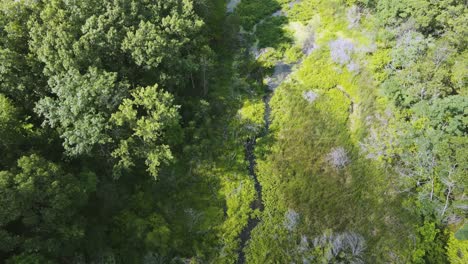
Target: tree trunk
<point x="446" y="201"/>
<point x="193" y="82"/>
<point x="432" y="188"/>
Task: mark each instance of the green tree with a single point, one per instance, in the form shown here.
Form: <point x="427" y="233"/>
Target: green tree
<point x="81" y="107"/>
<point x="15" y="59"/>
<point x="171" y="43"/>
<point x="40" y="205"/>
<point x="10" y="123"/>
<point x="12" y="131"/>
<point x="145" y="42"/>
<point x="148" y="124"/>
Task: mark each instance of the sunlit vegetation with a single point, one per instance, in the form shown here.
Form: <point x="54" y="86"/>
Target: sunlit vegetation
<point x="244" y="131"/>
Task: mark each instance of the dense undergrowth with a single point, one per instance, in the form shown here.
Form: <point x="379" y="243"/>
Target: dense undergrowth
<point x="123" y="130"/>
<point x="335" y="183"/>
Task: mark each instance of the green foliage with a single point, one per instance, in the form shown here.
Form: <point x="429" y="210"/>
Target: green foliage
<point x="269" y="58"/>
<point x="10" y="125"/>
<point x="83" y="61"/>
<point x="293" y="54"/>
<point x="131" y="39"/>
<point x="462" y="233"/>
<point x="378" y="62"/>
<point x="14" y="54"/>
<point x="430" y="107"/>
<point x="448" y="114"/>
<point x="151" y="121"/>
<point x="178" y="33"/>
<point x="144" y="229"/>
<point x="82" y="107"/>
<point x="252" y="11"/>
<point x="457" y="251"/>
<point x="159" y="138"/>
<point x="429" y="16"/>
<point x="429" y="245"/>
<point x="408" y="49"/>
<point x="251" y="117"/>
<point x="293" y="171"/>
<point x="429" y="116"/>
<point x="271" y="32"/>
<point x="29" y="259"/>
<point x="40" y="207"/>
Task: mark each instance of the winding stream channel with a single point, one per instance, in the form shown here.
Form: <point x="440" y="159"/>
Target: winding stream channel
<point x="281" y="72"/>
<point x="256" y="204"/>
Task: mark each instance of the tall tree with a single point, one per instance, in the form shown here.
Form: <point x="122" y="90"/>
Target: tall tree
<point x="148" y="123"/>
<point x="81" y="107"/>
<point x="40" y="204"/>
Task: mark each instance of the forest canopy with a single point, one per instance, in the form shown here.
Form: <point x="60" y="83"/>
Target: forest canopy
<point x="241" y="131"/>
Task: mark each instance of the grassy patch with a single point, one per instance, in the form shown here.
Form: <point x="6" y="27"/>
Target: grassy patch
<point x="252" y="11"/>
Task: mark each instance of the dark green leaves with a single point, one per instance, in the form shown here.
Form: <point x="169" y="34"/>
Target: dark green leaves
<point x="39" y="202"/>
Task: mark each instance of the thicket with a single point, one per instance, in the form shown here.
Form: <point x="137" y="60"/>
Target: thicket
<point x="123" y="130"/>
<point x="120" y="134"/>
<point x="368" y="134"/>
